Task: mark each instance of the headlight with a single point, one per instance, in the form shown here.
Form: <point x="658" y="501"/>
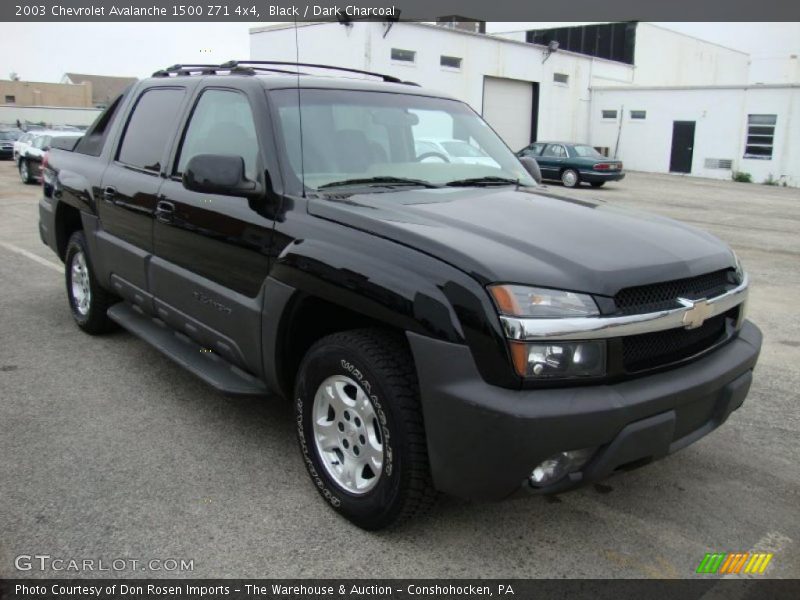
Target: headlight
<point x="739" y="267"/>
<point x="559" y="360"/>
<point x="551" y="360"/>
<point x="523" y="301"/>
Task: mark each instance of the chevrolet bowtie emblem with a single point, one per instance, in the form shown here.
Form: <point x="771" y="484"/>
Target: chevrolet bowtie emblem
<point x="699" y="311"/>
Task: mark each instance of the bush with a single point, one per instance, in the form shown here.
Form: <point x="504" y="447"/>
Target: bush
<point x="742" y="177"/>
<point x="771" y="180"/>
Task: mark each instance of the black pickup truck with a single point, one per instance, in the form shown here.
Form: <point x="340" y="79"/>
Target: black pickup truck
<point x="439" y="327"/>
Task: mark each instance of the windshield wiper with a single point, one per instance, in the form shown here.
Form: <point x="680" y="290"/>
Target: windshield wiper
<point x="477" y="181"/>
<point x="381" y="180"/>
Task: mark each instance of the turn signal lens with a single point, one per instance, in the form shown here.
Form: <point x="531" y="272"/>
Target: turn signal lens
<point x="524" y="301"/>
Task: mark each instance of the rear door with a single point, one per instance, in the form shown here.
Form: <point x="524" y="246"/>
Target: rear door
<point x="212" y="251"/>
<point x="127" y="201"/>
<point x="552" y="160"/>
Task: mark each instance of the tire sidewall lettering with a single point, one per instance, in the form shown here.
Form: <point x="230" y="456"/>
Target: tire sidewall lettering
<point x="305" y="395"/>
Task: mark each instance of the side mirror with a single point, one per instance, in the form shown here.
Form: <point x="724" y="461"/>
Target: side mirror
<point x="532" y="167"/>
<point x="218" y="174"/>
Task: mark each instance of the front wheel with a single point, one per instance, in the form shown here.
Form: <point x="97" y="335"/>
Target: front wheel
<point x="570" y="178"/>
<point x="87" y="300"/>
<point x="359" y="425"/>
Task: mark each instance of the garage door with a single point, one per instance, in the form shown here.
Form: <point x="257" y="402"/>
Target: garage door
<point x="507" y="107"/>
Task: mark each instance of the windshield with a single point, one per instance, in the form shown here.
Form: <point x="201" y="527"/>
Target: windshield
<point x="361" y="135"/>
<point x="463" y="150"/>
<point x="587" y="152"/>
<point x="8" y="135"/>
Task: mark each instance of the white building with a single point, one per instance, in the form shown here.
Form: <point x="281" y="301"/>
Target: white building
<point x="708" y="131"/>
<point x="528" y="92"/>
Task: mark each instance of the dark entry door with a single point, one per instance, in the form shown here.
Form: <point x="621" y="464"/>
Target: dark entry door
<point x="682" y="146"/>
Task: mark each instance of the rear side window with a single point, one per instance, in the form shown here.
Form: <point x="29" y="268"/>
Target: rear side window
<point x="150" y="128"/>
<point x="92" y="143"/>
<point x="222" y="123"/>
<point x="555" y="151"/>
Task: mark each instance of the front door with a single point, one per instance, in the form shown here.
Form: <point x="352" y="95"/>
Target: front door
<point x="682" y="147"/>
<point x="212" y="251"/>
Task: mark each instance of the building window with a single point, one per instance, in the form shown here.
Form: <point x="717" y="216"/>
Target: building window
<point x="451" y="62"/>
<point x="404" y="55"/>
<point x="760" y="135"/>
<point x="638" y="114"/>
<point x="609" y="114"/>
<point x="11" y="100"/>
<point x="614" y="41"/>
<point x="561" y="78"/>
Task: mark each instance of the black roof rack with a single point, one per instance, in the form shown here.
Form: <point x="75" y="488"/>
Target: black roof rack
<point x="249" y="67"/>
<point x="236" y="63"/>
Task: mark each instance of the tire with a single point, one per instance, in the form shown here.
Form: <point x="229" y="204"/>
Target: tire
<point x="598" y="183"/>
<point x="25" y="171"/>
<point x="372" y="370"/>
<point x="88" y="302"/>
<point x="570" y="178"/>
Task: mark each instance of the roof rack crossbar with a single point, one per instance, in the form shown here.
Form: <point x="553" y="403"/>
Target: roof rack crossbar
<point x="249" y="67"/>
<point x="234" y="63"/>
<point x="203" y="69"/>
<point x="268" y="70"/>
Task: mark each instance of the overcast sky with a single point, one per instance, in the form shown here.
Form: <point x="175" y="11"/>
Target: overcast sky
<point x="45" y="51"/>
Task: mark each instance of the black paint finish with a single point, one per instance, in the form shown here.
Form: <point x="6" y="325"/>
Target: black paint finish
<point x="415" y="260"/>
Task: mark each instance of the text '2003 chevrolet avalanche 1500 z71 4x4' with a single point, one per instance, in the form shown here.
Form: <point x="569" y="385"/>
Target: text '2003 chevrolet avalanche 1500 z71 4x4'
<point x="440" y="326"/>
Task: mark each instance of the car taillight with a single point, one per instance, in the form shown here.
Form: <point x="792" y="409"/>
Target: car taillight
<point x="602" y="167"/>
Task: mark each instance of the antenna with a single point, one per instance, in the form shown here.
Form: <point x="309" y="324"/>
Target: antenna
<point x="299" y="111"/>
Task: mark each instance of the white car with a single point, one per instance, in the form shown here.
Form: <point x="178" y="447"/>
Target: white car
<point x="30" y="159"/>
<point x="452" y="151"/>
<point x="24" y="142"/>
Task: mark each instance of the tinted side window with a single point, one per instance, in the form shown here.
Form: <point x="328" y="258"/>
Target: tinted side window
<point x="92" y="143"/>
<point x="533" y="150"/>
<point x="149" y="128"/>
<point x="221" y="123"/>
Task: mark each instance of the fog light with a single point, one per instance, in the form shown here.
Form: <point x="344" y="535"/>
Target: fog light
<point x="559" y="466"/>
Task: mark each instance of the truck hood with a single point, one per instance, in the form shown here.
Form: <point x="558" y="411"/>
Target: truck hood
<point x="532" y="237"/>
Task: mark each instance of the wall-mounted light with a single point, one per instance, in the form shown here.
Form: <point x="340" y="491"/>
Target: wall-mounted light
<point x="552" y="46"/>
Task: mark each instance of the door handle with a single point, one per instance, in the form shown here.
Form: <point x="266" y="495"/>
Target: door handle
<point x="165" y="211"/>
<point x="109" y="193"/>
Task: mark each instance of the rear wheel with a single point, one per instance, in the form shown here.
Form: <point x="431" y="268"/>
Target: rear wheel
<point x="359" y="424"/>
<point x="25" y="171"/>
<point x="570" y="178"/>
<point x="87" y="300"/>
<point x="598" y="183"/>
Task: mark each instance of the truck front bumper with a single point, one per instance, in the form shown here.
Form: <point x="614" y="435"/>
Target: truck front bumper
<point x="484" y="441"/>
